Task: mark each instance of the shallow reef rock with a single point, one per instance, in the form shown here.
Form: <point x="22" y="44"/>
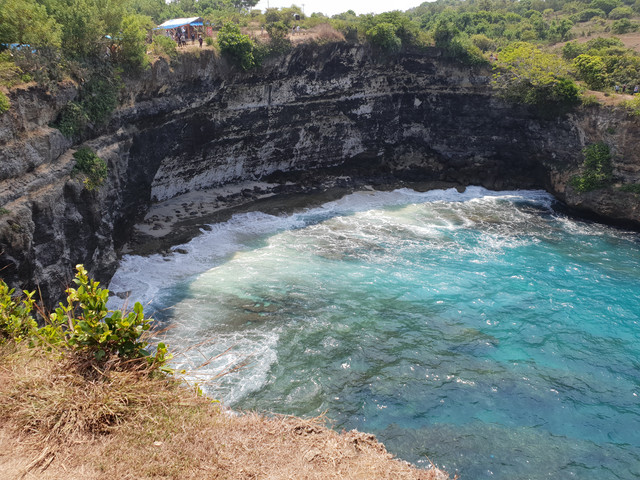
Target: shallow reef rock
<point x="336" y="114"/>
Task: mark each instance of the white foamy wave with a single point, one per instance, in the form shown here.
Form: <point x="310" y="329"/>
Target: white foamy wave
<point x="229" y="366"/>
<point x="145" y="279"/>
<point x="371" y="200"/>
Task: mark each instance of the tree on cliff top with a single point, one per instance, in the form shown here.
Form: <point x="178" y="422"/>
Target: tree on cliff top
<point x="528" y="75"/>
<point x="27" y="22"/>
<point x="237" y="46"/>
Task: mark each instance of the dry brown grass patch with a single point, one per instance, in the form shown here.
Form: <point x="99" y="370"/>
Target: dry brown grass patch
<point x="322" y="33"/>
<point x="60" y="424"/>
<point x="60" y="399"/>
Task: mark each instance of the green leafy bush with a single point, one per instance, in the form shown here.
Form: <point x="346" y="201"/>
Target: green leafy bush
<point x="133" y="48"/>
<point x="10" y="74"/>
<point x="383" y="35"/>
<point x="278" y="34"/>
<point x="605" y="5"/>
<point x="94" y="330"/>
<point x="5" y="104"/>
<point x="83" y="325"/>
<point x="462" y="49"/>
<point x="237" y="46"/>
<point x="100" y="97"/>
<point x="624" y="25"/>
<point x="483" y="42"/>
<point x="620" y="12"/>
<point x="72" y="120"/>
<point x="597" y="168"/>
<point x="589" y="101"/>
<point x="528" y="75"/>
<point x="91" y="166"/>
<point x="163" y="45"/>
<point x="631" y="188"/>
<point x="27" y="22"/>
<point x="586" y="15"/>
<point x="572" y="49"/>
<point x="633" y="106"/>
<point x="395" y="22"/>
<point x="592" y="70"/>
<point x="16" y="321"/>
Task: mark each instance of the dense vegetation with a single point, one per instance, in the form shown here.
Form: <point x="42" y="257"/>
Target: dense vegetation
<point x="95" y="41"/>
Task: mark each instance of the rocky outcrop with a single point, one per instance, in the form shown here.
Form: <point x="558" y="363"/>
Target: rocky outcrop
<point x="337" y="114"/>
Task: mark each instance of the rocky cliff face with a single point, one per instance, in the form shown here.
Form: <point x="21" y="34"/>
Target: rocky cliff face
<point x="319" y="116"/>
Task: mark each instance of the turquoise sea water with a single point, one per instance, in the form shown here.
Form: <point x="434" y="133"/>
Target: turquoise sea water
<point x="482" y="331"/>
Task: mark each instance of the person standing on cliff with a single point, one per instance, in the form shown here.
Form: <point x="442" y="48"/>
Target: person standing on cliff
<point x="636" y="89"/>
<point x="200" y="40"/>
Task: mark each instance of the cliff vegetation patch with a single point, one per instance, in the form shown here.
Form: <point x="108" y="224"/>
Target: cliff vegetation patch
<point x="597" y="170"/>
<point x="526" y="74"/>
<point x="5" y="104"/>
<point x="92" y="167"/>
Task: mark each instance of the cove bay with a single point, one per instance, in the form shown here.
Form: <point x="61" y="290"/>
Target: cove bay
<point x="485" y="330"/>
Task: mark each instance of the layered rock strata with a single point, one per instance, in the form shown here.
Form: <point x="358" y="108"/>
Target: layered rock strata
<point x="321" y="116"/>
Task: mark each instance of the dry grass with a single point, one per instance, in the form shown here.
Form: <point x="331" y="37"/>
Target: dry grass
<point x="324" y="33"/>
<point x="57" y="423"/>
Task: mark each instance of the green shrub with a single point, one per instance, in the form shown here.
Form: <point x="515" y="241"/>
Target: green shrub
<point x="5" y="104"/>
<point x="10" y="74"/>
<point x="444" y="32"/>
<point x="94" y="330"/>
<point x="236" y="46"/>
<point x="483" y="42"/>
<point x="163" y="45"/>
<point x="91" y="166"/>
<point x="133" y="48"/>
<point x="572" y="49"/>
<point x="589" y="101"/>
<point x="278" y="33"/>
<point x="209" y="41"/>
<point x="100" y="97"/>
<point x="83" y="325"/>
<point x="597" y="168"/>
<point x="72" y="120"/>
<point x="592" y="70"/>
<point x="383" y="36"/>
<point x="620" y="12"/>
<point x="633" y="106"/>
<point x="605" y="5"/>
<point x="631" y="188"/>
<point x="528" y="75"/>
<point x="624" y="25"/>
<point x="586" y="15"/>
<point x="16" y="321"/>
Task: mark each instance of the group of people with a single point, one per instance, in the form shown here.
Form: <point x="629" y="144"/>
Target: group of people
<point x="182" y="38"/>
<point x="623" y="89"/>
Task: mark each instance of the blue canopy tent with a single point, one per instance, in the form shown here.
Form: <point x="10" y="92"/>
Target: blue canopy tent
<point x="189" y="26"/>
<point x="180" y="22"/>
